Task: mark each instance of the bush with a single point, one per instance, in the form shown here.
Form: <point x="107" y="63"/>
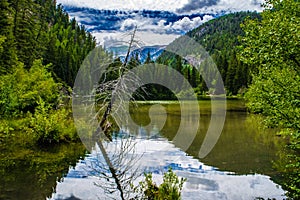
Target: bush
<point x="28" y="103"/>
<point x="51" y="126"/>
<point x="170" y="189"/>
<point x="21" y="90"/>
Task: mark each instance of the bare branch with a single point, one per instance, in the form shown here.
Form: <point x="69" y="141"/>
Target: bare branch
<point x="120" y="161"/>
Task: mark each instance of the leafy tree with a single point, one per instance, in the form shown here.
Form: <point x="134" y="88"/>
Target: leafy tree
<point x="21" y="90"/>
<point x="271" y="47"/>
<point x="51" y="126"/>
<point x="41" y="49"/>
<point x="68" y="45"/>
<point x="41" y="30"/>
<point x="274" y="41"/>
<point x="2" y="39"/>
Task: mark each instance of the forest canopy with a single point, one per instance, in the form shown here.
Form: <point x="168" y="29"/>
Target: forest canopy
<point x="33" y="30"/>
<point x="41" y="50"/>
<point x="219" y="37"/>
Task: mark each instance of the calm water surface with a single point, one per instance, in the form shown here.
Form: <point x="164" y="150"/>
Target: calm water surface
<point x="240" y="166"/>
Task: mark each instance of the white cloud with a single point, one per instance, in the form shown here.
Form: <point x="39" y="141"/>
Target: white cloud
<point x="154" y="31"/>
<point x="207" y="18"/>
<point x="184" y="24"/>
<point x="188" y="24"/>
<point x="142" y="23"/>
<point x="145" y="38"/>
<point x="233" y="6"/>
<point x="161" y="23"/>
<point x="167" y="5"/>
<point x="170" y="5"/>
<point x="161" y="26"/>
<point x="128" y="24"/>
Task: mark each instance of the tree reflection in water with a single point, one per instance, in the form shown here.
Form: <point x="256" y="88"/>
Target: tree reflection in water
<point x="117" y="164"/>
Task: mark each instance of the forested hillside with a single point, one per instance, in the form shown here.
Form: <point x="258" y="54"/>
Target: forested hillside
<point x="220" y="39"/>
<point x="31" y="30"/>
<point x="41" y="50"/>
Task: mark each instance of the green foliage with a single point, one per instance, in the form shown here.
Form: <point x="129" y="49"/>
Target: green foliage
<point x="2" y="39"/>
<point x="271" y="47"/>
<point x="68" y="45"/>
<point x="275" y="94"/>
<point x="26" y="26"/>
<point x="170" y="189"/>
<point x="46" y="126"/>
<point x="274" y="38"/>
<point x="7" y="49"/>
<point x="21" y="90"/>
<point x="51" y="126"/>
<point x="41" y="30"/>
<point x="39" y="46"/>
<point x="289" y="164"/>
<point x="28" y="98"/>
<point x="5" y="128"/>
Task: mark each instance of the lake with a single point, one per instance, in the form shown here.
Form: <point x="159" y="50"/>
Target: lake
<point x="239" y="166"/>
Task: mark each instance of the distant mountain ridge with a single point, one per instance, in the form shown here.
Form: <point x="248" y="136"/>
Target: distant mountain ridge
<point x="155" y="51"/>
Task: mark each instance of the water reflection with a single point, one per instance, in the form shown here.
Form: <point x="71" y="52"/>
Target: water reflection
<point x="30" y="173"/>
<point x="203" y="181"/>
<point x="239" y="166"/>
<point x="243" y="147"/>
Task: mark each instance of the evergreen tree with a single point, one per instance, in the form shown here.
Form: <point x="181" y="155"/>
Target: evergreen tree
<point x="178" y="64"/>
<point x="25" y="30"/>
<point x="220" y="38"/>
<point x="134" y="61"/>
<point x="8" y="56"/>
<point x="194" y="76"/>
<point x="148" y="59"/>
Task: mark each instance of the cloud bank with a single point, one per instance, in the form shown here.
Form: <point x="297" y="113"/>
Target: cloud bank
<point x="193" y="5"/>
<point x="159" y="21"/>
<point x="178" y="6"/>
<point x="161" y="26"/>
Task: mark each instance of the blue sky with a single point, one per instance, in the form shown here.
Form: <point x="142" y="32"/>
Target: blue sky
<point x="159" y="22"/>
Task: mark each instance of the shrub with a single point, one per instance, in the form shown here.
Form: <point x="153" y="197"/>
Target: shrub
<point x="21" y="90"/>
<point x="170" y="189"/>
<point x="51" y="126"/>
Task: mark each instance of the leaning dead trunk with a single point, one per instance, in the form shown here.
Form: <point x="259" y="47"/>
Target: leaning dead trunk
<point x="104" y="124"/>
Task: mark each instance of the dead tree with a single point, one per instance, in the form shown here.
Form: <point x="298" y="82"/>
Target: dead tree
<point x="119" y="163"/>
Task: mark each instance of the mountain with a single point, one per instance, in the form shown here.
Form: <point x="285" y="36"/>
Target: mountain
<point x="155" y="52"/>
<point x="220" y="39"/>
<point x="221" y="33"/>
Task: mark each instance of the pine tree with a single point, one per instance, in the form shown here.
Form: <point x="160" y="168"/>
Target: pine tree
<point x="148" y="59"/>
<point x="194" y="76"/>
<point x="8" y="55"/>
<point x="25" y="30"/>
